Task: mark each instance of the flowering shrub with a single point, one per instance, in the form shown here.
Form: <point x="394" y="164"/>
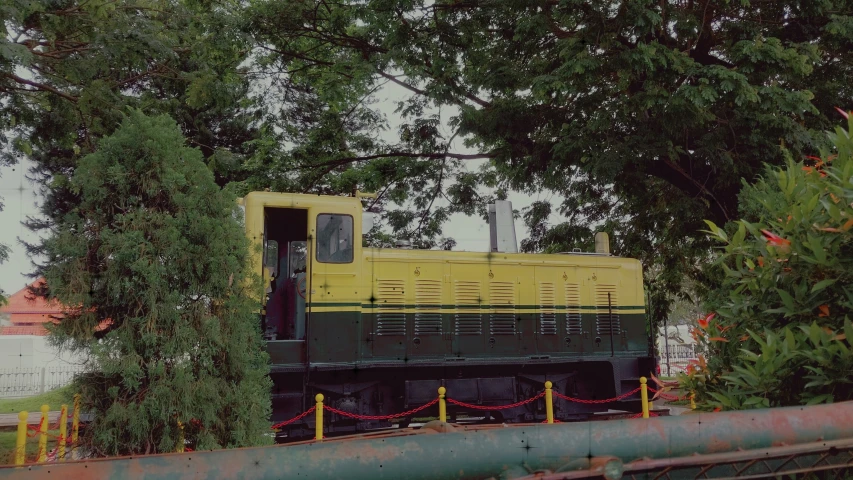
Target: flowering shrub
<point x="781" y="334"/>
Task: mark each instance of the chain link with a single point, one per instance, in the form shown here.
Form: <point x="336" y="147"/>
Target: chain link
<point x="606" y="400"/>
<point x="380" y="417"/>
<point x="496" y="407"/>
<point x="298" y="417"/>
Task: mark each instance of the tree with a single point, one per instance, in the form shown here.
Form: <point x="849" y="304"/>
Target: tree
<point x="644" y="114"/>
<point x="781" y="333"/>
<point x="69" y="69"/>
<point x="153" y="265"/>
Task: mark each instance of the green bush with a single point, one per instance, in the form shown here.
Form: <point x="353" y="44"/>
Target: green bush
<point x="781" y="333"/>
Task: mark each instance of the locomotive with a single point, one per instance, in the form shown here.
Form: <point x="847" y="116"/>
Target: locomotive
<point x="378" y="330"/>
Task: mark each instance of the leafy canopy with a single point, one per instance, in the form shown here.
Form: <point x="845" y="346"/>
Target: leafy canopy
<point x="69" y="69"/>
<point x="645" y="115"/>
<point x="782" y="333"/>
<point x="153" y="266"/>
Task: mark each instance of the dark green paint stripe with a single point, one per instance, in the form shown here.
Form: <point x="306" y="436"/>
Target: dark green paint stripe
<point x="487" y="306"/>
<point x="474" y="307"/>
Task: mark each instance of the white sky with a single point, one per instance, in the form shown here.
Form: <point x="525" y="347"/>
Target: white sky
<point x="20" y="199"/>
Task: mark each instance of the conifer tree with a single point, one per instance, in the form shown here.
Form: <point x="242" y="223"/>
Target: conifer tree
<point x="152" y="263"/>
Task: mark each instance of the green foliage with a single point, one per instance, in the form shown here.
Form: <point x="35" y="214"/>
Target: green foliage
<point x="152" y="264"/>
<point x="71" y="68"/>
<point x="643" y="115"/>
<point x="782" y="332"/>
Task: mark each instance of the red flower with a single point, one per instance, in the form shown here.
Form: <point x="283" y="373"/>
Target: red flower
<point x="704" y="322"/>
<point x="776" y="240"/>
<point x="843" y="113"/>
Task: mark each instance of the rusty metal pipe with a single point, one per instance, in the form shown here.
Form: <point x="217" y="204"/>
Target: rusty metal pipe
<point x="479" y="453"/>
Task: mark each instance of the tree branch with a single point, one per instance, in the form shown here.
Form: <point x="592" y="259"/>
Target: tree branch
<point x="676" y="175"/>
<point x="402" y="84"/>
<point x="344" y="161"/>
<point x="42" y="87"/>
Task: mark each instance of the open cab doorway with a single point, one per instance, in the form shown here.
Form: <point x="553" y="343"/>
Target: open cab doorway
<point x="309" y="252"/>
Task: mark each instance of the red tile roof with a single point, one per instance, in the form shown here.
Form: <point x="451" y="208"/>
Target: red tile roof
<point x="23" y="301"/>
<point x="24" y="330"/>
<point x="28" y="312"/>
<point x="30" y="318"/>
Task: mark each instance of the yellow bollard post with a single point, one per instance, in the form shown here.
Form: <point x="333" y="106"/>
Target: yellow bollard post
<point x="692" y="401"/>
<point x="318" y="415"/>
<point x="644" y="396"/>
<point x="42" y="452"/>
<point x="63" y="431"/>
<point x="180" y="448"/>
<point x="549" y="403"/>
<point x="21" y="444"/>
<point x="442" y="404"/>
<point x="75" y="420"/>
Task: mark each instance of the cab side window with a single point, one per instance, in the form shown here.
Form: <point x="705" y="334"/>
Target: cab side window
<point x="334" y="238"/>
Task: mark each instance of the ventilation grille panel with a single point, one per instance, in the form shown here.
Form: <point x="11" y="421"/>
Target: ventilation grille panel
<point x="391" y="295"/>
<point x="573" y="309"/>
<point x="604" y="323"/>
<point x="466" y="294"/>
<point x="547" y="309"/>
<point x="502" y="315"/>
<point x="427" y="307"/>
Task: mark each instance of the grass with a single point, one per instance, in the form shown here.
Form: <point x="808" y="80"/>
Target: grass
<point x="7" y="447"/>
<point x="54" y="399"/>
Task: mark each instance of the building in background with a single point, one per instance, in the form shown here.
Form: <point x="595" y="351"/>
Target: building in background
<point x="26" y="314"/>
<point x="28" y="363"/>
<point x="675" y="347"/>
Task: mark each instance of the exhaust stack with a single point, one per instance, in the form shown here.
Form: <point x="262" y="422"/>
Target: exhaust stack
<point x="502" y="227"/>
<point x="602" y="243"/>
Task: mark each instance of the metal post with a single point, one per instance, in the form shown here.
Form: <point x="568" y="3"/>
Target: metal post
<point x="21" y="444"/>
<point x="42" y="452"/>
<point x="75" y="420"/>
<point x="442" y="404"/>
<point x="63" y="431"/>
<point x="644" y="396"/>
<point x="666" y="345"/>
<point x="180" y="448"/>
<point x="549" y="403"/>
<point x="318" y="415"/>
<point x="43" y="379"/>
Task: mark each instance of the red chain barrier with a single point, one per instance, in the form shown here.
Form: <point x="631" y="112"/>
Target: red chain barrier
<point x="462" y="404"/>
<point x="606" y="400"/>
<point x="298" y="417"/>
<point x="381" y="417"/>
<point x="496" y="407"/>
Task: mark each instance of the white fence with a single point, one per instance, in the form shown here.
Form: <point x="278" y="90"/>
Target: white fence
<point x="25" y="382"/>
<point x="676" y="358"/>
